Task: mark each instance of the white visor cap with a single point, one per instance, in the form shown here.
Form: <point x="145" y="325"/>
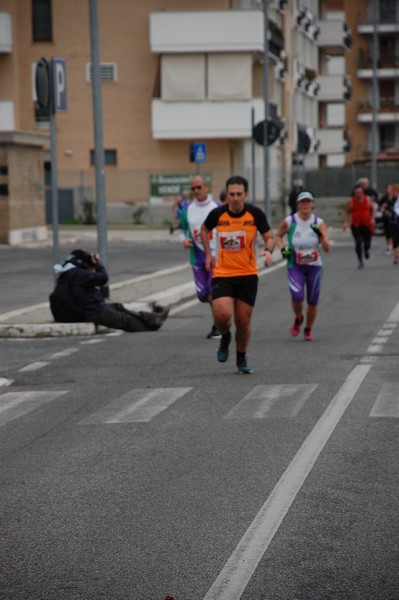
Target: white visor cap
<point x="305" y="196"/>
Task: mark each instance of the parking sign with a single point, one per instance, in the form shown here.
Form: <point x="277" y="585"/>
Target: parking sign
<point x="58" y="72"/>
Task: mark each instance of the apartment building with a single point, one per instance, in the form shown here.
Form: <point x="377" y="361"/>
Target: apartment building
<point x="176" y="72"/>
<point x="375" y="26"/>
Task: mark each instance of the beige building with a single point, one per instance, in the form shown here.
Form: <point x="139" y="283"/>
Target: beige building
<point x="175" y="73"/>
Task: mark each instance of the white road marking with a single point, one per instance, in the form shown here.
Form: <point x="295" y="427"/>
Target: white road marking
<point x="96" y="341"/>
<point x="394" y="316"/>
<point x="385" y="333"/>
<point x="16" y="404"/>
<point x="34" y="366"/>
<point x="387" y="402"/>
<point x="272" y="401"/>
<point x="190" y="303"/>
<point x="63" y="353"/>
<point x="240" y="567"/>
<point x="374" y="348"/>
<point x="4" y="382"/>
<point x="379" y="340"/>
<point x="368" y="359"/>
<point x="139" y="405"/>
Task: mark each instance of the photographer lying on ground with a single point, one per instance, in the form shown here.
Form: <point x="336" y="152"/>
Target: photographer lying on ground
<point x="77" y="297"/>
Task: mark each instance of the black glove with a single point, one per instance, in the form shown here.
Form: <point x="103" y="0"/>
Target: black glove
<point x="286" y="252"/>
<point x="316" y="229"/>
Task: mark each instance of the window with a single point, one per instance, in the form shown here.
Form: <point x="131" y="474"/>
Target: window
<point x="108" y="72"/>
<point x="110" y="157"/>
<point x="42" y="27"/>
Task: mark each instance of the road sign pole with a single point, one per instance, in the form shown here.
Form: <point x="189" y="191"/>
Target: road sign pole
<point x="266" y="104"/>
<point x="54" y="170"/>
<point x="99" y="160"/>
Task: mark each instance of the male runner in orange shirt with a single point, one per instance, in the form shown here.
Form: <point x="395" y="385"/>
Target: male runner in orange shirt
<point x="235" y="269"/>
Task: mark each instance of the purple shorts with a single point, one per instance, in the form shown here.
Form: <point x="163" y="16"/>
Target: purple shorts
<point x="305" y="276"/>
<point x="202" y="280"/>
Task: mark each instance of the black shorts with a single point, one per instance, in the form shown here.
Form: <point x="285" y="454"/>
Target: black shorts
<point x="244" y="288"/>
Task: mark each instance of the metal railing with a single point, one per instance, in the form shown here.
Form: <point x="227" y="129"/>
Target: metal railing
<point x="386" y="104"/>
<point x="387" y="60"/>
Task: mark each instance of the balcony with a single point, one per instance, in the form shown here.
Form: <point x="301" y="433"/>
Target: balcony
<point x="334" y="34"/>
<point x="387" y="60"/>
<point x="206" y="31"/>
<point x="204" y="119"/>
<point x="387" y="65"/>
<point x="387" y="112"/>
<point x="5" y="33"/>
<point x="387" y="21"/>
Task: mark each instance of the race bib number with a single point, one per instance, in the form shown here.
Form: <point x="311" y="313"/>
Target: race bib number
<point x="307" y="257"/>
<point x="232" y="242"/>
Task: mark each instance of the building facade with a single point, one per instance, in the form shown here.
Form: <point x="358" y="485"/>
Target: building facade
<point x="175" y="73"/>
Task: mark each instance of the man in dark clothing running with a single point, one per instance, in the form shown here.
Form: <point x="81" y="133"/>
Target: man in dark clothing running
<point x="80" y="299"/>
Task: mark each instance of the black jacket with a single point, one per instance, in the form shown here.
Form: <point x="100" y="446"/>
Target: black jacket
<point x="85" y="286"/>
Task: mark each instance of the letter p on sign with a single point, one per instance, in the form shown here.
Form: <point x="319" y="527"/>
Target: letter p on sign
<point x="59" y="84"/>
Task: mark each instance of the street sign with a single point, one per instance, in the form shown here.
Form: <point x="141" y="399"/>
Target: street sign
<point x="42" y="83"/>
<point x="198" y="152"/>
<point x="273" y="131"/>
<point x="58" y="71"/>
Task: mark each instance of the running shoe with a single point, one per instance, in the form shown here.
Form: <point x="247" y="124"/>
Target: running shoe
<point x="308" y="335"/>
<point x="296" y="328"/>
<point x="243" y="368"/>
<point x="214" y="333"/>
<point x="223" y="350"/>
<point x="366" y="254"/>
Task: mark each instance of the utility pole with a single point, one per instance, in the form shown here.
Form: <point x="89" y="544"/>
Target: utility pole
<point x="375" y="103"/>
<point x="99" y="161"/>
<point x="266" y="104"/>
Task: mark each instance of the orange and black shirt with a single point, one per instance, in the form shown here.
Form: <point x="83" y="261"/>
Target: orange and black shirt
<point x="236" y="234"/>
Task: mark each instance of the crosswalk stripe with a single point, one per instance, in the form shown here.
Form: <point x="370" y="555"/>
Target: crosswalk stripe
<point x="34" y="366"/>
<point x="64" y="353"/>
<point x="138" y="405"/>
<point x="16" y="404"/>
<point x="387" y="402"/>
<point x="272" y="401"/>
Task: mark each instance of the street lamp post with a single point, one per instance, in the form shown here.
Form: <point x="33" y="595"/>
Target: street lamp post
<point x="374" y="129"/>
<point x="98" y="136"/>
<point x="266" y="104"/>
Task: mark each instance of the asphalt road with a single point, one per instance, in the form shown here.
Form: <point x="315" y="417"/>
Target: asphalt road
<point x="135" y="466"/>
<point x="27" y="272"/>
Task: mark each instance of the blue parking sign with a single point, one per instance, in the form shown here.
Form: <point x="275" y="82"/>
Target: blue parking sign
<point x="198" y="152"/>
<point x="59" y="84"/>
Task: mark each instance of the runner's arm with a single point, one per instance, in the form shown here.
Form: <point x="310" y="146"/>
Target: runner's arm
<point x="346" y="215"/>
<point x="210" y="260"/>
<point x="269" y="242"/>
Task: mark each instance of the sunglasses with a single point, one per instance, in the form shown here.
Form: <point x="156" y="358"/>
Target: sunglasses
<point x="196" y="187"/>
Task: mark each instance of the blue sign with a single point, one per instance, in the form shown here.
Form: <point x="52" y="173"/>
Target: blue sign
<point x="198" y="152"/>
<point x="58" y="72"/>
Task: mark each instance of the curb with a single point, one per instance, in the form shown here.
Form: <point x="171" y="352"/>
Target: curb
<point x="172" y="297"/>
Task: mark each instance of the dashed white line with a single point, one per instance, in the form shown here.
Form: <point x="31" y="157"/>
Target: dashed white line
<point x="34" y="366"/>
<point x="64" y="353"/>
